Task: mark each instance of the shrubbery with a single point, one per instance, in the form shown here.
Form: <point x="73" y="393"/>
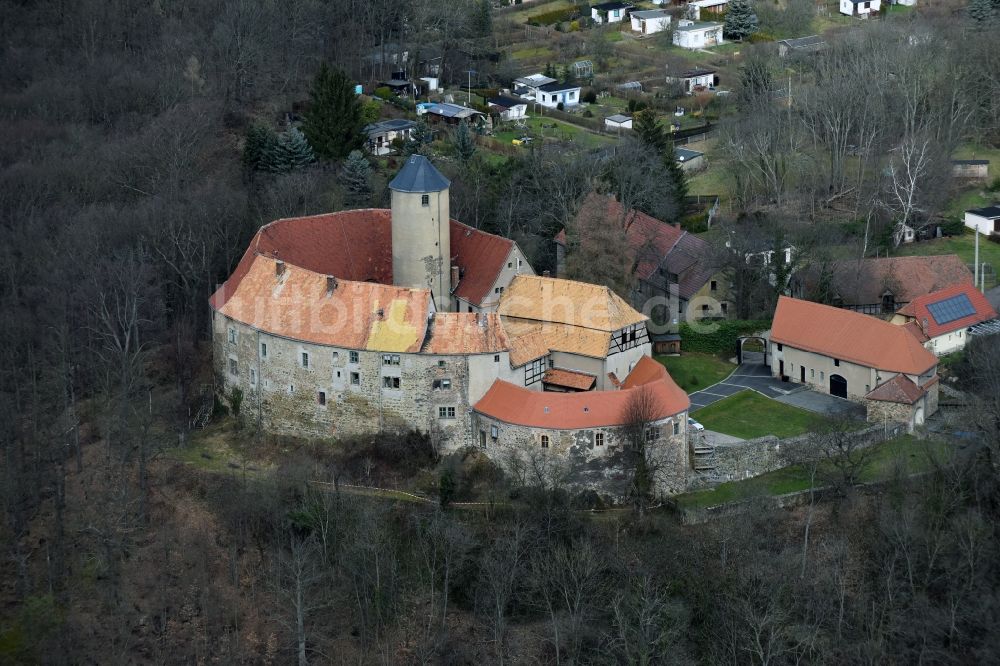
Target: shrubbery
<point x="550" y="17"/>
<point x="722" y="338"/>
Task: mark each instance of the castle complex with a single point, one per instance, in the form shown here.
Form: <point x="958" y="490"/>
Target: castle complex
<point x="367" y="320"/>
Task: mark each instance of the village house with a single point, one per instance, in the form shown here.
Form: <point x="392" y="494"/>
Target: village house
<point x="977" y="169"/>
<point x="610" y="12"/>
<point x="450" y="114"/>
<point x="508" y="108"/>
<point x="849" y="355"/>
<point x="943" y="320"/>
<point x="382" y="134"/>
<point x="859" y="8"/>
<point x="670" y="265"/>
<point x="528" y="87"/>
<point x="984" y="220"/>
<point x="370" y="320"/>
<point x="713" y="7"/>
<point x="878" y="285"/>
<point x="695" y="80"/>
<point x="618" y="122"/>
<point x="696" y="35"/>
<point x="800" y="45"/>
<point x="690" y="160"/>
<point x="552" y="95"/>
<point x="650" y="21"/>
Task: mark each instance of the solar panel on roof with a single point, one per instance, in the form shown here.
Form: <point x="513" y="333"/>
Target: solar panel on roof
<point x="951" y="309"/>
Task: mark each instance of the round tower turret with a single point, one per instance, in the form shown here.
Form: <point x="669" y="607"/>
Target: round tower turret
<point x="421" y="231"/>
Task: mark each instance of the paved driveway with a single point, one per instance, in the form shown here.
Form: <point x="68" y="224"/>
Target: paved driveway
<point x="753" y="374"/>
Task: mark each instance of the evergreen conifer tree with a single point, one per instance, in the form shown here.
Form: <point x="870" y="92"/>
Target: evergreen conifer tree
<point x="289" y="152"/>
<point x="741" y="20"/>
<point x="462" y="141"/>
<point x="335" y="118"/>
<point x="259" y="142"/>
<point x="420" y="139"/>
<point x="357" y="175"/>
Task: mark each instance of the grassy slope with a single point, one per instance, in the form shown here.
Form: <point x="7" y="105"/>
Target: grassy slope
<point x="748" y="415"/>
<point x="905" y="453"/>
<point x="963" y="246"/>
<point x="696" y="371"/>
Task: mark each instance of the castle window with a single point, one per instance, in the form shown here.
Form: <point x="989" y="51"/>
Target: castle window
<point x="354" y="357"/>
<point x="713" y="286"/>
<point x="704" y="307"/>
<point x="263" y="350"/>
<point x="677" y="427"/>
<point x="233" y="367"/>
<point x="336" y="356"/>
<point x="321" y="397"/>
<point x="390" y="382"/>
<point x="552" y="363"/>
<point x="425" y="200"/>
<point x="822" y="376"/>
<point x="390" y="359"/>
<point x="545" y="441"/>
<point x="510" y="264"/>
<point x="812" y="373"/>
<point x="725" y="307"/>
<point x="253" y="377"/>
<point x="445" y="384"/>
<point x="441" y="363"/>
<point x="494" y="432"/>
<point x="446" y="412"/>
<point x="598" y="439"/>
<point x="232" y="336"/>
<point x="836" y="362"/>
<point x="305" y="359"/>
<point x="496" y="358"/>
<point x="652" y="434"/>
<point x="355" y="379"/>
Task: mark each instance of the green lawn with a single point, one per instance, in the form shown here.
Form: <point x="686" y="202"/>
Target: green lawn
<point x="541" y="127"/>
<point x="748" y="414"/>
<point x="963" y="246"/>
<point x="696" y="371"/>
<point x="907" y="454"/>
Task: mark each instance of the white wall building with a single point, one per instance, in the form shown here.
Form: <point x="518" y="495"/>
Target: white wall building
<point x="695" y="35"/>
<point x="985" y="220"/>
<point x="551" y="95"/>
<point x="650" y="21"/>
<point x="859" y="7"/>
<point x="610" y="12"/>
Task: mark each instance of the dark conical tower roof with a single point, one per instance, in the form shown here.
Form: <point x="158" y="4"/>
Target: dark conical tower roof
<point x="419" y="175"/>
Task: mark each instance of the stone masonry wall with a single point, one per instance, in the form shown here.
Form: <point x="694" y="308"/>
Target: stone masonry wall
<point x="574" y="459"/>
<point x="282" y="393"/>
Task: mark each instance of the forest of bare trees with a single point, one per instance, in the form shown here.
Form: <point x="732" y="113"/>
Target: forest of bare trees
<point x="124" y="202"/>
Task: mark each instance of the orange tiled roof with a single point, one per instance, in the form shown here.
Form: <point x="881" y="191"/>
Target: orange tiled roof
<point x="481" y="256"/>
<point x="579" y="381"/>
<point x="899" y="389"/>
<point x="356" y="315"/>
<point x="588" y="409"/>
<point x="562" y="337"/>
<point x="570" y="302"/>
<point x="526" y="347"/>
<point x="357" y="245"/>
<point x="465" y="333"/>
<point x="918" y="310"/>
<point x="848" y="335"/>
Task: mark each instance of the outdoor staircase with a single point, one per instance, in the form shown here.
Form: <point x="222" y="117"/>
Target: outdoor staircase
<point x="702" y="455"/>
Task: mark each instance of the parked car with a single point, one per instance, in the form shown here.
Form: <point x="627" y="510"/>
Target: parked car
<point x="694" y="425"/>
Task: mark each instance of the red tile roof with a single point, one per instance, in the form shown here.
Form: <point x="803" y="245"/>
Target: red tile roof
<point x="849" y="336"/>
<point x="481" y="256"/>
<point x="899" y="389"/>
<point x="465" y="333"/>
<point x="578" y="381"/>
<point x="588" y="409"/>
<point x="653" y="243"/>
<point x="918" y="311"/>
<point x="357" y="245"/>
<point x="862" y="282"/>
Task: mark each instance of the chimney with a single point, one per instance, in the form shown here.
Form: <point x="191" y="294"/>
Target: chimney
<point x="279" y="268"/>
<point x="331" y="284"/>
<point x="546" y="274"/>
<point x="455" y="277"/>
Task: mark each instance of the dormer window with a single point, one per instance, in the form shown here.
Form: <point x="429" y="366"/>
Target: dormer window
<point x="888" y="302"/>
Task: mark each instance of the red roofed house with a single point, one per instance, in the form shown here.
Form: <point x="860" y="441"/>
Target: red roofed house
<point x="665" y="258"/>
<point x="941" y="320"/>
<point x="854" y="356"/>
<point x="589" y="425"/>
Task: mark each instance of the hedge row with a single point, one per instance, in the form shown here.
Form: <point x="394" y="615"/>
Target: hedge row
<point x="721" y="339"/>
<point x="554" y="16"/>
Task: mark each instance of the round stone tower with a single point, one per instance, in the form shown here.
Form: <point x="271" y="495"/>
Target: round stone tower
<point x="421" y="230"/>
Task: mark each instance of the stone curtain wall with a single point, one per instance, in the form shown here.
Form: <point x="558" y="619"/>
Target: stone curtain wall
<point x="284" y="398"/>
<point x="744" y="460"/>
<point x="574" y="460"/>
